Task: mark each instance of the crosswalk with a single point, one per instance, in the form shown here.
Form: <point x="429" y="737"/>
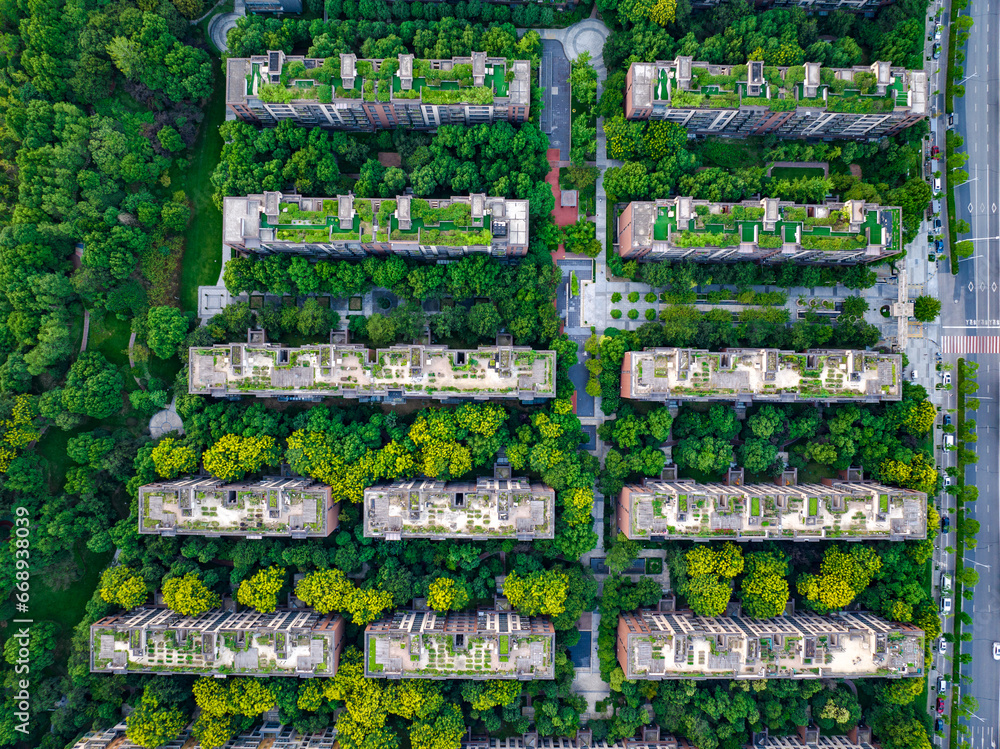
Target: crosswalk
<point x="970" y="344"/>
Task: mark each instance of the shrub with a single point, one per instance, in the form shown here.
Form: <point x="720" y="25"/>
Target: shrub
<point x="616" y="297"/>
<point x="633" y="314"/>
<point x="651" y="314"/>
<point x="633" y="296"/>
<point x="650" y="297"/>
<point x="616" y="314"/>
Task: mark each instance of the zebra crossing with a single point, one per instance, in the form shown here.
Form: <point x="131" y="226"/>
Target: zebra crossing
<point x="970" y="344"/>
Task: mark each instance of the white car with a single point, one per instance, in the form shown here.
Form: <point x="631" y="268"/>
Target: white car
<point x="947" y="378"/>
<point x="944" y="646"/>
<point x="946" y="605"/>
<point x="996" y="651"/>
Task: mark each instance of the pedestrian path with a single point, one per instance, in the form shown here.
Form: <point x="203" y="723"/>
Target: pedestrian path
<point x="970" y="344"/>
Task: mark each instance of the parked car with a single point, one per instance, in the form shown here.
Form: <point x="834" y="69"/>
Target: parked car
<point x="949" y="440"/>
<point x="940" y="705"/>
<point x="945" y="524"/>
<point x="946" y="605"/>
<point x="942" y="684"/>
<point x="937" y="33"/>
<point x="935" y="151"/>
<point x="951" y="119"/>
<point x="939" y="724"/>
<point x="945" y="586"/>
<point x="944" y="646"/>
<point x="947" y="378"/>
<point x="937" y="226"/>
<point x="937" y="184"/>
<point x="947" y="480"/>
<point x="936" y="53"/>
<point x="939" y="245"/>
<point x="947" y="420"/>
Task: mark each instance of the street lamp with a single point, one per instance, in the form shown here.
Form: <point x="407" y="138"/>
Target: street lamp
<point x="962" y="260"/>
<point x="974" y="75"/>
<point x="955" y="187"/>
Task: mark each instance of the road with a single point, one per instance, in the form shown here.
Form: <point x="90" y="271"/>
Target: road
<point x="972" y="308"/>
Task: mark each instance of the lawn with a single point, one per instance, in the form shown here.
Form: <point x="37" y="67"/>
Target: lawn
<point x="109" y="335"/>
<point x="202" y="261"/>
<point x="66" y="606"/>
<point x="796" y="172"/>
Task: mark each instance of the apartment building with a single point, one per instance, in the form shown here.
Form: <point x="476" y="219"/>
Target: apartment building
<point x="859" y="737"/>
<point x="266" y="736"/>
<point x="847" y="508"/>
<point x="745" y="375"/>
<point x="484" y="644"/>
<point x="802" y="101"/>
<point x="220" y="642"/>
<point x="274" y="506"/>
<point x="348" y="227"/>
<point x="345" y="93"/>
<point x="269" y="370"/>
<point x="487" y="508"/>
<point x="680" y="645"/>
<point x="763" y="231"/>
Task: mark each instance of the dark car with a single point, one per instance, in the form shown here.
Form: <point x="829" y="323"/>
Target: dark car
<point x="936" y="53"/>
<point x="935" y="151"/>
<point x="939" y="245"/>
<point x="947" y="420"/>
<point x="940" y="704"/>
<point x="945" y="524"/>
<point x="937" y="223"/>
<point x="951" y="119"/>
<point x="939" y="724"/>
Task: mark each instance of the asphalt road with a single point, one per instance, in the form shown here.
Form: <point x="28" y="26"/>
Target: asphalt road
<point x="554" y="81"/>
<point x="972" y="308"/>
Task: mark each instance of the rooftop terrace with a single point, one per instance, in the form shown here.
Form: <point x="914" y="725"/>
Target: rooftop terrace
<point x="269" y="735"/>
<point x="470" y="645"/>
<point x="686" y="84"/>
<point x="498" y="507"/>
<point x="680" y="645"/>
<point x="848" y="510"/>
<point x="274" y="221"/>
<point x="761" y="374"/>
<point x="204" y="506"/>
<point x="768" y="229"/>
<point x="353" y="371"/>
<point x="153" y="639"/>
<point x="476" y="80"/>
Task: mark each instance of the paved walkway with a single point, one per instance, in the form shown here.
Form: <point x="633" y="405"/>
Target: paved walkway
<point x="86" y="330"/>
<point x="131" y="359"/>
<point x="220" y="26"/>
<point x="166" y="421"/>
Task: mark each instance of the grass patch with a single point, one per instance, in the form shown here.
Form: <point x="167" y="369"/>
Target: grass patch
<point x="813" y="506"/>
<point x="109" y="335"/>
<point x="504" y="645"/>
<point x="202" y="260"/>
<point x="797" y="172"/>
<point x="67" y="607"/>
<point x="654" y="566"/>
<point x="372" y="665"/>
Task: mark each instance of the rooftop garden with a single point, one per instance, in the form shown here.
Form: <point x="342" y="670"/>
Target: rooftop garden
<point x="784" y="91"/>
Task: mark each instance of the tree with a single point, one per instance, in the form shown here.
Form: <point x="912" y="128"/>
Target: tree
<point x="843" y="576"/>
<point x="484" y="320"/>
<point x="444" y="594"/>
<point x="621" y="554"/>
<point x="261" y="590"/>
<point x="93" y="387"/>
<point x="706" y="454"/>
<point x="171" y="458"/>
<point x="539" y="592"/>
<point x="330" y="590"/>
<point x="764" y="586"/>
<point x="167" y="327"/>
<point x="968" y="577"/>
<point x="926" y="308"/>
<point x="757" y="455"/>
<point x="233" y="456"/>
<point x="154" y="723"/>
<point x="188" y="595"/>
<point x="123" y="586"/>
<point x="381" y="329"/>
<point x="708" y="595"/>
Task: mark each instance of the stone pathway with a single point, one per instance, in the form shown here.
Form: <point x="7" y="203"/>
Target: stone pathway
<point x="86" y="330"/>
<point x="166" y="421"/>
